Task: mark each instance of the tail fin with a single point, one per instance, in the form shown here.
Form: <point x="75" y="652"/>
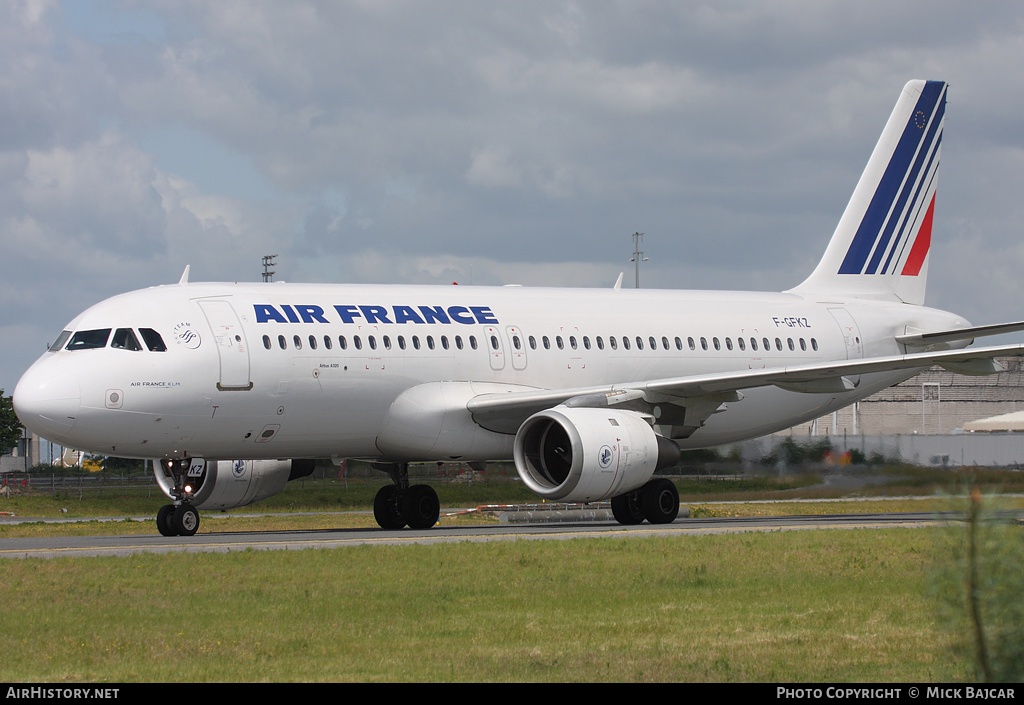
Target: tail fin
<point x="880" y="247"/>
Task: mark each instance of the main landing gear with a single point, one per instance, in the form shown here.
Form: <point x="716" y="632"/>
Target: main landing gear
<point x="657" y="502"/>
<point x="399" y="505"/>
<point x="180" y="518"/>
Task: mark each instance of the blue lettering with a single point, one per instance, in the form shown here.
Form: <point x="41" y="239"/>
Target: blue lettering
<point x="405" y="314"/>
<point x="311" y="314"/>
<point x="347" y="313"/>
<point x="375" y="314"/>
<point x="460" y="314"/>
<point x="434" y="315"/>
<point x="483" y="314"/>
<point x="266" y="312"/>
<point x="290" y="313"/>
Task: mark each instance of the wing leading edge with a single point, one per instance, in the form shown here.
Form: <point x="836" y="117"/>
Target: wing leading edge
<point x="505" y="412"/>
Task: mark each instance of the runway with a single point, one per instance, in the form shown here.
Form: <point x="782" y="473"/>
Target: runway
<point x="309" y="539"/>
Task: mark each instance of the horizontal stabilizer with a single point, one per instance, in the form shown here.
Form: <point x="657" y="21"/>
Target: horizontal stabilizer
<point x="949" y="336"/>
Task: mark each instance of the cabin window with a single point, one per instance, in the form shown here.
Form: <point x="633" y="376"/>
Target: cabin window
<point x="600" y="343"/>
<point x="742" y="343"/>
<point x="458" y="342"/>
<point x="533" y="343"/>
<point x="387" y="342"/>
<point x="416" y="342"/>
<point x="803" y="344"/>
<point x="611" y="342"/>
<point x="767" y="345"/>
<point x="312" y="342"/>
<point x="703" y="343"/>
<point x="89" y="339"/>
<point x="401" y="342"/>
<point x="814" y="345"/>
<point x="266" y="342"/>
<point x="718" y="345"/>
<point x="559" y="343"/>
<point x="753" y="344"/>
<point x="639" y="343"/>
<point x="444" y="342"/>
<point x="494" y="342"/>
<point x="328" y="343"/>
<point x="690" y="342"/>
<point x="572" y="342"/>
<point x="586" y="342"/>
<point x="282" y="342"/>
<point x="430" y="342"/>
<point x="472" y="342"/>
<point x="654" y="343"/>
<point x="154" y="341"/>
<point x="342" y="343"/>
<point x="778" y="344"/>
<point x="372" y="342"/>
<point x="547" y="343"/>
<point x="625" y="342"/>
<point x="297" y="341"/>
<point x="728" y="343"/>
<point x="357" y="342"/>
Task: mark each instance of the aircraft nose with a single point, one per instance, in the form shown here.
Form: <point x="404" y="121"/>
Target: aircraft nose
<point x="47" y="400"/>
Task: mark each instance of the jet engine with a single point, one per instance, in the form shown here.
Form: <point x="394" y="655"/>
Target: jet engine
<point x="226" y="484"/>
<point x="582" y="454"/>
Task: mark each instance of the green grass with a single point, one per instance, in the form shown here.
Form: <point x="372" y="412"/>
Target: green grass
<point x="798" y="606"/>
<point x="807" y="606"/>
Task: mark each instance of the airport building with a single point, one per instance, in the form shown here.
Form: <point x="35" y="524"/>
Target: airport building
<point x="935" y="418"/>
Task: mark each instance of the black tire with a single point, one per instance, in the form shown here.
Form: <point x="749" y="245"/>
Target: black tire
<point x="165" y="520"/>
<point x="185" y="520"/>
<point x="660" y="500"/>
<point x="386" y="509"/>
<point x="421" y="507"/>
<point x="628" y="509"/>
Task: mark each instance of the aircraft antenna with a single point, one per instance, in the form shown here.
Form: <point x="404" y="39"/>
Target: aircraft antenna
<point x="638" y="255"/>
<point x="268" y="262"/>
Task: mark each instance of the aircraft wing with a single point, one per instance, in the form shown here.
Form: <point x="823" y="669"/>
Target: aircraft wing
<point x="505" y="412"/>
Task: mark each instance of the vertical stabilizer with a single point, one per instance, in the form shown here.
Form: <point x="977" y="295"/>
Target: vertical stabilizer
<point x="880" y="247"/>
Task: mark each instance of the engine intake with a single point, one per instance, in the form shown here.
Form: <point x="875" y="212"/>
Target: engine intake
<point x="578" y="454"/>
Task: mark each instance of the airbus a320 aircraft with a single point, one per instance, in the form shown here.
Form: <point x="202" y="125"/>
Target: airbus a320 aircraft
<point x="236" y="388"/>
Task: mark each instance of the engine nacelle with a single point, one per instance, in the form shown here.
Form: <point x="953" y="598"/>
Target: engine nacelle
<point x="580" y="454"/>
<point x="226" y="484"/>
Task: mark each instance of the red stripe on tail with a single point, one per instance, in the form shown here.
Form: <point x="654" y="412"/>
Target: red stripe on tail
<point x="920" y="249"/>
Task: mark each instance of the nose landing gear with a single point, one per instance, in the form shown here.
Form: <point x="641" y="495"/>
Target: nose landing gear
<point x="180" y="518"/>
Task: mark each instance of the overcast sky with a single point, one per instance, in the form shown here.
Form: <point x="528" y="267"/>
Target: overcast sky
<point x="485" y="143"/>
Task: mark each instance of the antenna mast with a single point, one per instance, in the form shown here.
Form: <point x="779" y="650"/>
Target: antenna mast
<point x="268" y="262"/>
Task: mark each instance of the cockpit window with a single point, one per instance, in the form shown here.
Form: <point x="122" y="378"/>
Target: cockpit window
<point x="124" y="339"/>
<point x="59" y="342"/>
<point x="89" y="339"/>
<point x="154" y="341"/>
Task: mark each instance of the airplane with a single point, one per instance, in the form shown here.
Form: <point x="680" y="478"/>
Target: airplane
<point x="236" y="388"/>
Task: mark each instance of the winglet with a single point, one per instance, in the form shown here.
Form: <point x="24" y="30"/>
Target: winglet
<point x="184" y="276"/>
<point x="618" y="282"/>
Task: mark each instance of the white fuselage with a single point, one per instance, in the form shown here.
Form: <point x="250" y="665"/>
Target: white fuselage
<point x="275" y="370"/>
